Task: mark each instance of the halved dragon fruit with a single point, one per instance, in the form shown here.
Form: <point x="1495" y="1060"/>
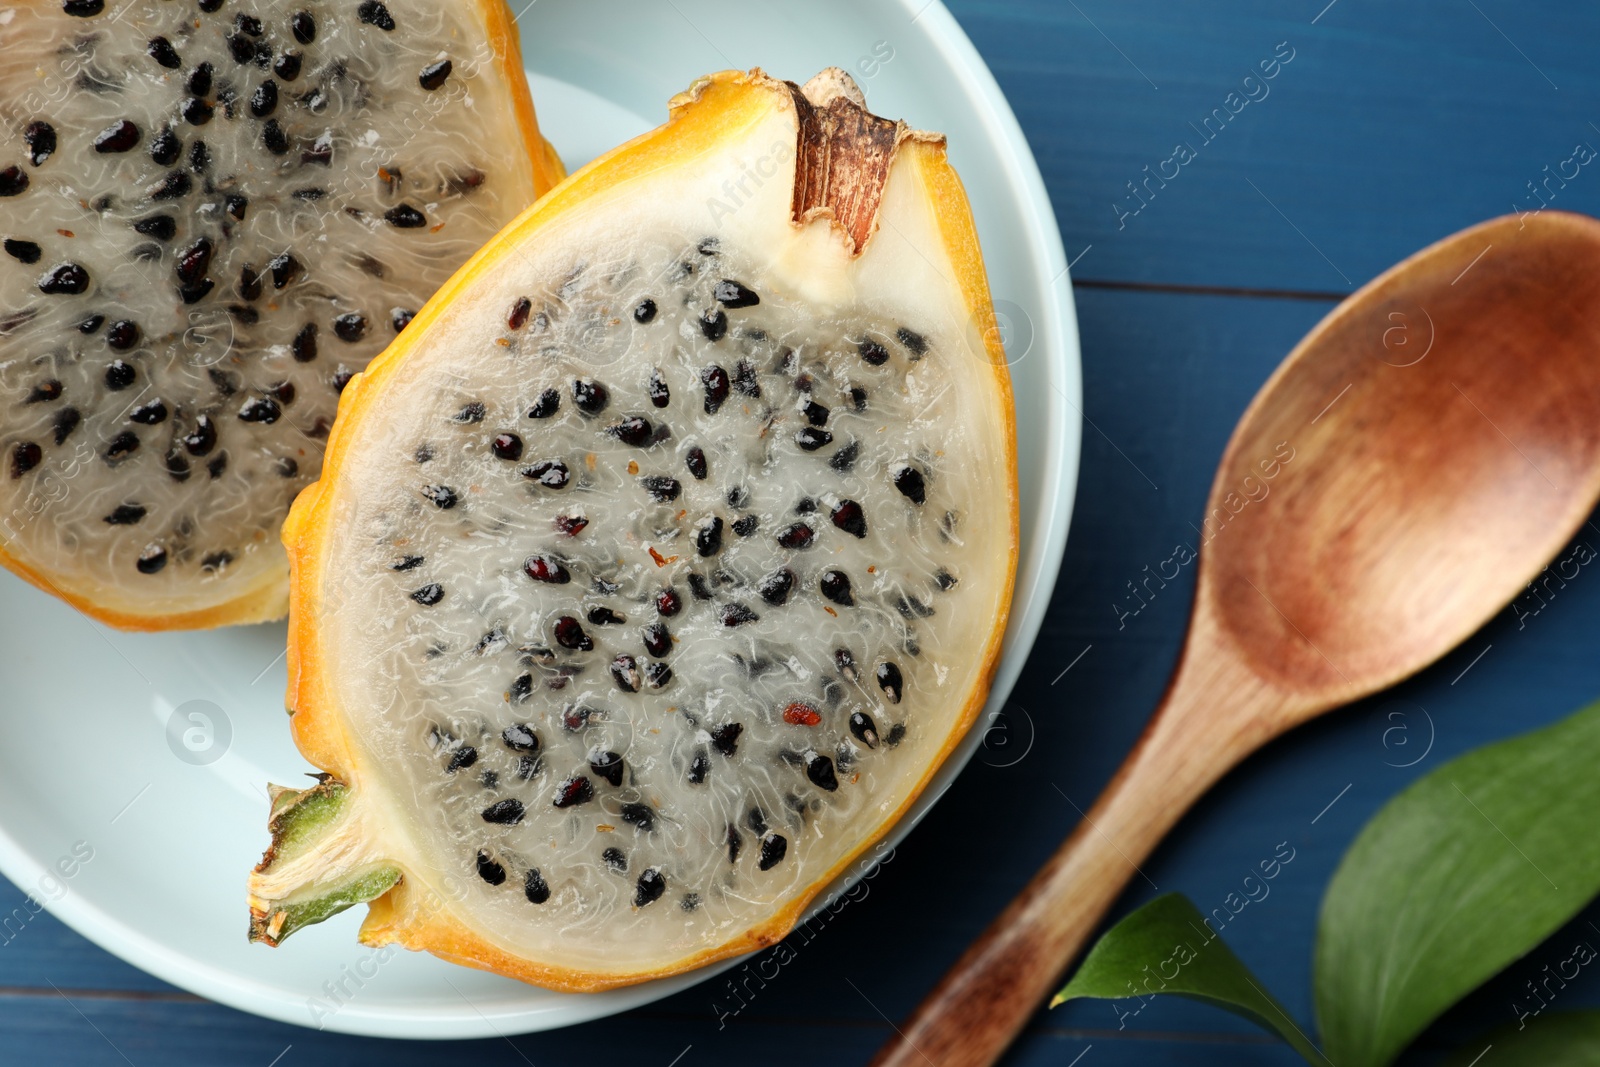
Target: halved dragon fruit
<point x="659" y="564"/>
<point x="213" y="214"/>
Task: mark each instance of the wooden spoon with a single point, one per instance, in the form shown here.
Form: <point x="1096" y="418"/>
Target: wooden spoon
<point x="1442" y="435"/>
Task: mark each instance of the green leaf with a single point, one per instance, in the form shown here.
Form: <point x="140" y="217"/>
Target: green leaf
<point x="1464" y="872"/>
<point x="1166" y="947"/>
<point x="1564" y="1039"/>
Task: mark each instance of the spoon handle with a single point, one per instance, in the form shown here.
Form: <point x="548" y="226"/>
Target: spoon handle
<point x="1213" y="715"/>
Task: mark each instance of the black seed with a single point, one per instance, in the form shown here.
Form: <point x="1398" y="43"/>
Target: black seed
<point x="504" y="812"/>
<point x="161" y="227"/>
<point x="160" y="49"/>
<point x="725" y="738"/>
<point x="607" y="765"/>
<point x="490" y="871"/>
<point x="199" y="157"/>
<point x="774" y="588"/>
<point x="91" y="324"/>
<point x="731" y="294"/>
<point x="744" y="378"/>
<point x="819" y="769"/>
<point x="625" y="672"/>
<point x="171" y="187"/>
<point x="545" y="569"/>
<point x="746" y="526"/>
<point x="274" y="140"/>
<point x="517" y="318"/>
<point x="811" y="439"/>
<point x="83" y="8"/>
<point x="247" y="24"/>
<point x="199" y="82"/>
<point x="644" y="311"/>
<point x="696" y="461"/>
<point x="119" y="375"/>
<point x="45" y="391"/>
<point x="375" y="14"/>
<point x="714" y="324"/>
<point x="806" y="506"/>
<point x="858" y="397"/>
<point x="651" y="885"/>
<point x="910" y="482"/>
<point x="569" y="634"/>
<point x="216" y="561"/>
<point x="661" y="488"/>
<point x="548" y="403"/>
<point x="470" y="413"/>
<point x="249" y="283"/>
<point x="287" y="467"/>
<point x="152" y="559"/>
<point x="550" y="473"/>
<point x="196" y="112"/>
<point x="708" y="537"/>
<point x="735" y="842"/>
<point x="150" y="414"/>
<point x="122" y="334"/>
<point x="506" y="446"/>
<point x="65" y="421"/>
<point x="890" y="681"/>
<point x="303" y="26"/>
<point x="914" y="342"/>
<point x="641" y="815"/>
<point x="848" y="516"/>
<point x="304" y="345"/>
<point x="815" y="413"/>
<point x="835" y="586"/>
<point x="194" y="261"/>
<point x="429" y="594"/>
<point x="443" y="497"/>
<point x="261" y="409"/>
<point x="521" y="688"/>
<point x="773" y="848"/>
<point x="405" y="217"/>
<point x="738" y="497"/>
<point x="26" y="251"/>
<point x="122" y="446"/>
<point x="844" y="457"/>
<point x="668" y="603"/>
<point x="407" y="563"/>
<point x="533" y="884"/>
<point x="350" y="327"/>
<point x="865" y="730"/>
<point x="191" y="294"/>
<point x="203" y="439"/>
<point x="68" y="279"/>
<point x="910" y="607"/>
<point x="631" y="431"/>
<point x="874" y="353"/>
<point x="736" y="614"/>
<point x="603" y="616"/>
<point x="464" y="757"/>
<point x="715" y="379"/>
<point x="657" y="639"/>
<point x="241" y="47"/>
<point x="434" y="74"/>
<point x="287" y="66"/>
<point x="590" y="396"/>
<point x="12" y="181"/>
<point x="944" y="580"/>
<point x="120" y="136"/>
<point x="41" y="140"/>
<point x="699" y="766"/>
<point x="24" y="458"/>
<point x="264" y="101"/>
<point x="217" y="465"/>
<point x="798" y="535"/>
<point x="520" y="737"/>
<point x="699" y="587"/>
<point x="575" y="790"/>
<point x="615" y="858"/>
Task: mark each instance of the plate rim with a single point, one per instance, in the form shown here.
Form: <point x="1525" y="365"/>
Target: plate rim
<point x="1055" y="333"/>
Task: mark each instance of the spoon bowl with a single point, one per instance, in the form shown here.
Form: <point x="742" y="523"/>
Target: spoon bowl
<point x="1409" y="468"/>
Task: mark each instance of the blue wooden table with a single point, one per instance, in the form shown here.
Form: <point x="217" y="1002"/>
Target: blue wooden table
<point x="1385" y="127"/>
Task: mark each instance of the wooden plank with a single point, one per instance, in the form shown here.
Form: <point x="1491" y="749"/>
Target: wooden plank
<point x="1393" y="125"/>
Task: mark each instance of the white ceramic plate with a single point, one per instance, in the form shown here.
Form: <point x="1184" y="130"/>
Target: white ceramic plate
<point x="100" y="749"/>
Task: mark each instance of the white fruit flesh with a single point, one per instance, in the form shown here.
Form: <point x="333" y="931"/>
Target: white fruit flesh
<point x="206" y="531"/>
<point x="435" y="639"/>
